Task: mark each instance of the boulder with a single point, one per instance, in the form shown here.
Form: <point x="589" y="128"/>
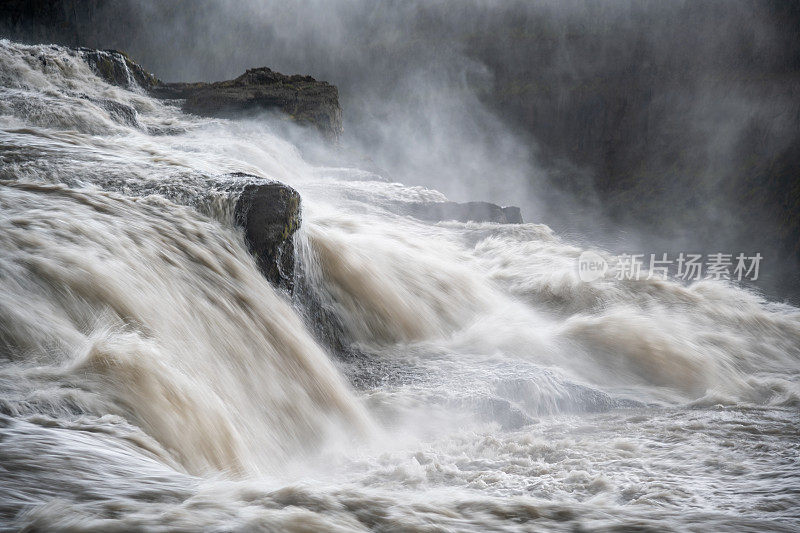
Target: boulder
<point x="269" y="213"/>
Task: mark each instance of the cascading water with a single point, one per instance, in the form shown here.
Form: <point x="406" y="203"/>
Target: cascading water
<point x="152" y="378"/>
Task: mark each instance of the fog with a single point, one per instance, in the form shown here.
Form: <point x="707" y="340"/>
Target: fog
<point x="639" y="126"/>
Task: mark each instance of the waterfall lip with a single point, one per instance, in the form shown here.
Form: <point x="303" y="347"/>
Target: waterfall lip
<point x="267" y="211"/>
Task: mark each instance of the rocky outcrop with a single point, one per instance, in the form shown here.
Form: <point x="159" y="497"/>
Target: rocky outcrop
<point x="304" y="99"/>
<point x="461" y="212"/>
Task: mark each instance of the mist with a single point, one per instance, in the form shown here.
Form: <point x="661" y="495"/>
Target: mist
<point x="637" y="126"/>
<point x="223" y="308"/>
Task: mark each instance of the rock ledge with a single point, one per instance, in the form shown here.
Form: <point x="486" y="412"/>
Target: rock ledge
<point x="303" y="99"/>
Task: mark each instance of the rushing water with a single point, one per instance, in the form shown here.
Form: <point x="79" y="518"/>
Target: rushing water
<point x="152" y="379"/>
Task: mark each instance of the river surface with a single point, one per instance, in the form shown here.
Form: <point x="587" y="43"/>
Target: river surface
<point x="152" y="379"/>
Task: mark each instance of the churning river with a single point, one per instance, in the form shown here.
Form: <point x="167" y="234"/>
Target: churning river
<point x="151" y="378"/>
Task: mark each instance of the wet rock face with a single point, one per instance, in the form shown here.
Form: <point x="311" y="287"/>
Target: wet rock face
<point x="118" y="69"/>
<point x="461" y="212"/>
<point x="269" y="213"/>
<point x="304" y="99"/>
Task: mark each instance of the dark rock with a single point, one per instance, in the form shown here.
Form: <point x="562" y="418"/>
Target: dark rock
<point x="270" y="214"/>
<point x="118" y="69"/>
<point x="461" y="212"/>
<point x="306" y="100"/>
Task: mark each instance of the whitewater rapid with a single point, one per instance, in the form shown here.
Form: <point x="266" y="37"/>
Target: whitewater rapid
<point x="151" y="378"/>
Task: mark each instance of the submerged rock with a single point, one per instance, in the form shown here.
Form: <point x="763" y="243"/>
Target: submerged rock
<point x="461" y="212"/>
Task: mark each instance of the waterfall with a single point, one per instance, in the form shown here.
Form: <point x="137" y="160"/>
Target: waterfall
<point x="451" y="375"/>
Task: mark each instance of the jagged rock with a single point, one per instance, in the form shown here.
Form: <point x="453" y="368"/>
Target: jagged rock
<point x="461" y="212"/>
